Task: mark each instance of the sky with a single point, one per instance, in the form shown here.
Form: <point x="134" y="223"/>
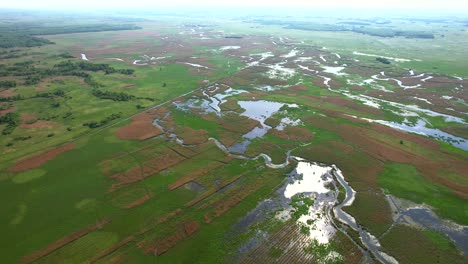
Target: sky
<point x="434" y="5"/>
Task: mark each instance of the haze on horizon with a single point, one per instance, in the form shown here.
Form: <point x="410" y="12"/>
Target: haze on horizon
<point x="434" y="6"/>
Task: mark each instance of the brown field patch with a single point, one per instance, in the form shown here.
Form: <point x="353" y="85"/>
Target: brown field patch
<point x="230" y="105"/>
<point x="299" y="88"/>
<point x="384" y="151"/>
<point x="238" y="124"/>
<point x="356" y="88"/>
<point x="293" y="133"/>
<point x="42" y="89"/>
<point x="347" y="149"/>
<point x="165" y="160"/>
<point x="140" y="201"/>
<point x="228" y="138"/>
<point x="460" y="131"/>
<point x="127" y="86"/>
<point x="39" y="124"/>
<point x="141" y="128"/>
<point x="186" y="152"/>
<point x="352" y="105"/>
<point x="133" y="237"/>
<point x="363" y="69"/>
<point x="192" y="136"/>
<point x="63" y="242"/>
<point x="231" y="197"/>
<point x="7" y="93"/>
<point x="194" y="175"/>
<point x="28" y="118"/>
<point x="214" y="190"/>
<point x="39" y="160"/>
<point x="163" y="245"/>
<point x="423" y="141"/>
<point x="319" y="82"/>
<point x="6" y="111"/>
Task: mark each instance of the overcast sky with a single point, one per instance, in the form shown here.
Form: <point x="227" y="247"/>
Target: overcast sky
<point x="434" y="5"/>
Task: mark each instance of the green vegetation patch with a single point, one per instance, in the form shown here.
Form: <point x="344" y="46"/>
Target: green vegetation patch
<point x="419" y="246"/>
<point x="27" y="176"/>
<point x="405" y="181"/>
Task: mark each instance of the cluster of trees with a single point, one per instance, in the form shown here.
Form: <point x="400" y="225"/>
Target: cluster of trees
<point x="11" y="40"/>
<point x="383" y="60"/>
<point x="18" y="69"/>
<point x="7" y="84"/>
<point x="66" y="68"/>
<point x="58" y="93"/>
<point x="112" y="95"/>
<point x="390" y="33"/>
<point x="357" y="27"/>
<point x="69" y="66"/>
<point x="11" y="98"/>
<point x="24" y="34"/>
<point x="12" y="120"/>
<point x="104" y="121"/>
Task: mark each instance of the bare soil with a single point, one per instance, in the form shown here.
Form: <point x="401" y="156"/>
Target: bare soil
<point x="39" y="160"/>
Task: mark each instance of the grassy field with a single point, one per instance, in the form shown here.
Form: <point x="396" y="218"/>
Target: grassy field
<point x="405" y="181"/>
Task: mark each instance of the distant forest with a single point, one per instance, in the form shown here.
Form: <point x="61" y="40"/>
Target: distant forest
<point x="358" y="27"/>
<point x="24" y="34"/>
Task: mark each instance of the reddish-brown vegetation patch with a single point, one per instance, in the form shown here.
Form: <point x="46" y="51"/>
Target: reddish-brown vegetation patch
<point x="319" y="82"/>
<point x="299" y="88"/>
<point x="7" y="93"/>
<point x="192" y="136"/>
<point x="429" y="165"/>
<point x="39" y="160"/>
<point x="347" y="149"/>
<point x="228" y="138"/>
<point x="238" y="124"/>
<point x="194" y="175"/>
<point x="207" y="218"/>
<point x="231" y="197"/>
<point x="439" y="104"/>
<point x="166" y="159"/>
<point x="42" y="88"/>
<point x="214" y="190"/>
<point x="141" y="128"/>
<point x="28" y="118"/>
<point x="423" y="141"/>
<point x="293" y="133"/>
<point x="460" y="131"/>
<point x="39" y="124"/>
<point x="151" y="226"/>
<point x="163" y="245"/>
<point x="186" y="152"/>
<point x="363" y="69"/>
<point x="245" y="77"/>
<point x="352" y="105"/>
<point x="127" y="86"/>
<point x="140" y="201"/>
<point x="356" y="88"/>
<point x="230" y="105"/>
<point x="63" y="242"/>
<point x="6" y="111"/>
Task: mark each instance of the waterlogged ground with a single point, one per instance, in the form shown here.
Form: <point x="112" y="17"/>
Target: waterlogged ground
<point x="268" y="147"/>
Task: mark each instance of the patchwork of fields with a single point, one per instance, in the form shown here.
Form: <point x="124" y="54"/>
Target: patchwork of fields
<point x="176" y="142"/>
